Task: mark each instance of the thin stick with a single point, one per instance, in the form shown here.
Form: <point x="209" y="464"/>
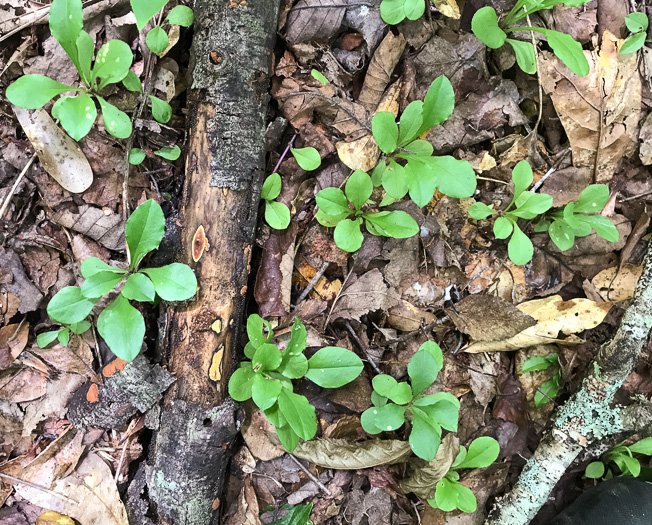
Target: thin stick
<point x="310" y="475"/>
<point x="362" y="347"/>
<point x="5" y="204"/>
<point x="284" y="154"/>
<point x="312" y="283"/>
<point x="122" y="460"/>
<point x="39" y="487"/>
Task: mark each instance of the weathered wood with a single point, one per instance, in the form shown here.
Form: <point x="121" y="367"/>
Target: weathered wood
<point x="231" y="66"/>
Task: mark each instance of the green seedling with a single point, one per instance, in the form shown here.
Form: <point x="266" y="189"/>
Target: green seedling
<point x="493" y="34"/>
<point x="408" y="165"/>
<point x="395" y="11"/>
<point x="623" y="457"/>
<point x="77" y="113"/>
<point x="277" y="214"/>
<point x="526" y="204"/>
<point x="393" y="402"/>
<point x="307" y="158"/>
<point x="267" y="378"/>
<point x="579" y="218"/>
<point x="550" y="388"/>
<point x="298" y="515"/>
<point x="120" y="324"/>
<point x="637" y="24"/>
<point x="336" y="206"/>
<point x="450" y="494"/>
<point x="157" y="39"/>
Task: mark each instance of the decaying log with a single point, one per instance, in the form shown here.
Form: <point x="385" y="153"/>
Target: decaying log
<point x="231" y="66"/>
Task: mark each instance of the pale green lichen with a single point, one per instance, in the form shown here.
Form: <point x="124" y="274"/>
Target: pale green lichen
<point x="589" y="417"/>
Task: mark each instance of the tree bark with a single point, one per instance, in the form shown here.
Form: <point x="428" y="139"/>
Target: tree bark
<point x="231" y="66"/>
<point x="588" y="416"/>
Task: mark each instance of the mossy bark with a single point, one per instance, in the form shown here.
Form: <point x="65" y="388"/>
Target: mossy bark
<point x="231" y="67"/>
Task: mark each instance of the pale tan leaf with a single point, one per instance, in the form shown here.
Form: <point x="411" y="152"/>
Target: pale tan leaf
<point x="346" y="455"/>
<point x="423" y="480"/>
<point x="620" y="288"/>
<point x="59" y="154"/>
<point x="448" y="8"/>
<point x="553" y="316"/>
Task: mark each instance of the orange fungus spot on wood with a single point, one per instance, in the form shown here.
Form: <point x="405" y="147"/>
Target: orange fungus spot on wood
<point x="93" y="394"/>
<point x="199" y="244"/>
<point x="114" y="366"/>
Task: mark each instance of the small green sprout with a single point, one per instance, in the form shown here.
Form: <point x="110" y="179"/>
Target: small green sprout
<point x="550" y="388"/>
<point x="623" y="457"/>
<point x="157" y="39"/>
<point x="277" y="214"/>
<point x="637" y="24"/>
<point x="336" y="206"/>
<point x="267" y="378"/>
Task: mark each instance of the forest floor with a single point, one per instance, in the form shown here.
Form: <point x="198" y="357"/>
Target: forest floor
<point x="452" y="283"/>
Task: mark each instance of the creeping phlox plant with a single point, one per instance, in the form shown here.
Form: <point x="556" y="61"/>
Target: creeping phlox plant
<point x="623" y="457"/>
<point x="120" y="324"/>
<point x="334" y="210"/>
<point x="77" y="113"/>
<point x="450" y="494"/>
<point x="576" y="219"/>
<point x="549" y="389"/>
<point x="493" y="34"/>
<point x="637" y="24"/>
<point x="267" y="378"/>
<point x="408" y="165"/>
<point x="428" y="414"/>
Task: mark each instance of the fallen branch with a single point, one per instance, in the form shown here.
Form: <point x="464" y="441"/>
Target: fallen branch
<point x="587" y="417"/>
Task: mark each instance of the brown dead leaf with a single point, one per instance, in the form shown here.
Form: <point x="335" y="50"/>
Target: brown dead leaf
<point x="20" y="386"/>
<point x="103" y="226"/>
<point x="247" y="507"/>
<point x="448" y="8"/>
<point x="314" y="20"/>
<point x="423" y="480"/>
<point x="553" y="316"/>
<point x="622" y="287"/>
<point x="255" y="432"/>
<point x="15" y="280"/>
<point x="406" y="317"/>
<point x="599" y="112"/>
<point x="13" y="339"/>
<point x="489" y="318"/>
<point x="367" y="294"/>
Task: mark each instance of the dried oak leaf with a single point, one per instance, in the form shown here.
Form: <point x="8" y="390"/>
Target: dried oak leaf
<point x="489" y="318"/>
<point x="599" y="112"/>
<point x="553" y="315"/>
<point x="314" y="20"/>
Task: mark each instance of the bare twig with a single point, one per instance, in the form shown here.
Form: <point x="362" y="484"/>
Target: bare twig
<point x="362" y="347"/>
<point x="5" y="204"/>
<point x="311" y="476"/>
<point x="38" y="487"/>
<point x="312" y="283"/>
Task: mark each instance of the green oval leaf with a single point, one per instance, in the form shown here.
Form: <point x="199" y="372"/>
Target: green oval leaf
<point x="241" y="383"/>
<point x="479" y="211"/>
<point x="123" y="328"/>
<point x="35" y="91"/>
<point x="307" y="158"/>
<point x="347" y="235"/>
<point x="136" y="156"/>
<point x="69" y="306"/>
<point x="482" y="452"/>
<point x="397" y="224"/>
<point x="454" y="178"/>
<point x="181" y="15"/>
<point x="139" y="288"/>
<point x="267" y="357"/>
<point x="144" y="230"/>
<point x="172" y="153"/>
<point x="77" y="114"/>
<point x="485" y="26"/>
<point x="519" y="247"/>
<point x="116" y="122"/>
<point x="425" y="438"/>
<point x="569" y="52"/>
<point x="264" y="391"/>
<point x="144" y="10"/>
<point x="100" y="283"/>
<point x="277" y="215"/>
<point x="157" y="40"/>
<point x="333" y="367"/>
<point x="161" y="110"/>
<point x="132" y="82"/>
<point x="525" y="56"/>
<point x="437" y="106"/>
<point x="174" y="282"/>
<point x="112" y="63"/>
<point x="385" y="131"/>
<point x="299" y="413"/>
<point x="271" y="187"/>
<point x="333" y="202"/>
<point x="594" y="470"/>
<point x="358" y="188"/>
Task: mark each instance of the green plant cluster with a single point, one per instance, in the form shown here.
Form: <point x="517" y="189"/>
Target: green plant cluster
<point x="637" y="24"/>
<point x="550" y="388"/>
<point x="120" y="324"/>
<point x="494" y="34"/>
<point x="267" y="378"/>
<point x="450" y="494"/>
<point x="623" y="456"/>
<point x="428" y="413"/>
<point x="576" y="219"/>
<point x="77" y="113"/>
<point x="395" y="11"/>
<point x="336" y="206"/>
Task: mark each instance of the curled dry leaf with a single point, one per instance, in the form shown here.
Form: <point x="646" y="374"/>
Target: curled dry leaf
<point x="620" y="288"/>
<point x="553" y="315"/>
<point x="343" y="454"/>
<point x="489" y="318"/>
<point x="423" y="480"/>
<point x="13" y="339"/>
<point x="448" y="8"/>
<point x="59" y="154"/>
<point x="599" y="112"/>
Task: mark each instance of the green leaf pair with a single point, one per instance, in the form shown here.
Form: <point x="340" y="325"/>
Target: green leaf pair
<point x="277" y="214"/>
<point x="623" y="457"/>
<point x="120" y="324"/>
<point x="267" y="378"/>
<point x="637" y="24"/>
<point x="550" y="388"/>
<point x="412" y="169"/>
<point x="77" y="113"/>
<point x="334" y="210"/>
<point x="579" y="218"/>
<point x="486" y="27"/>
<point x="450" y="494"/>
<point x="157" y="39"/>
<point x="428" y="413"/>
<point x="62" y="334"/>
<point x="395" y="11"/>
<point x="527" y="206"/>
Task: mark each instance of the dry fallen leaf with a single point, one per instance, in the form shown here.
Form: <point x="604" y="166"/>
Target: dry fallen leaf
<point x="620" y="288"/>
<point x="553" y="315"/>
<point x="448" y="8"/>
<point x="599" y="112"/>
<point x="59" y="154"/>
<point x="346" y="455"/>
<point x="423" y="479"/>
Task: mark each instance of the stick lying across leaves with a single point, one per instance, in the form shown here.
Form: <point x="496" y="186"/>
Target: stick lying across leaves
<point x="587" y="417"/>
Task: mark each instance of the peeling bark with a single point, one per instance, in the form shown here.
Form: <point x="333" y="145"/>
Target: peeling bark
<point x="231" y="66"/>
<point x="587" y="417"/>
